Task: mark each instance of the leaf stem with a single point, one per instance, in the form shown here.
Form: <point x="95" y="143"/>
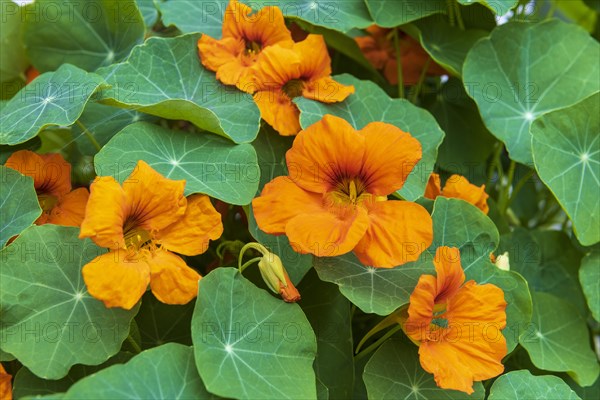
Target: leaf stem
<point x="379" y="341"/>
<point x="90" y="137"/>
<point x="419" y="85"/>
<point x="459" y="19"/>
<point x="399" y="64"/>
<point x="519" y="186"/>
<point x="505" y="189"/>
<point x="494" y="164"/>
<point x="451" y="12"/>
<point x="136" y="347"/>
<point x="248" y="263"/>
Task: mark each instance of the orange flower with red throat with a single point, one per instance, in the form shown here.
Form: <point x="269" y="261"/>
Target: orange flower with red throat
<point x="335" y="199"/>
<point x="245" y="35"/>
<point x="457" y="325"/>
<point x="5" y="384"/>
<point x="379" y="49"/>
<point x="142" y="222"/>
<point x="281" y="74"/>
<point x="458" y="187"/>
<point x="52" y="181"/>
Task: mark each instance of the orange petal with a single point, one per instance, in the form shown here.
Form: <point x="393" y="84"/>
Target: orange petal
<point x="276" y="65"/>
<point x="191" y="233"/>
<point x="172" y="281"/>
<point x="315" y="61"/>
<point x="324" y="153"/>
<point x="278" y="110"/>
<point x="449" y="272"/>
<point x="50" y="172"/>
<point x="5" y="384"/>
<point x="326" y="90"/>
<point x="420" y="310"/>
<point x="70" y="208"/>
<point x="327" y="234"/>
<point x="117" y="279"/>
<point x="399" y="231"/>
<point x="265" y="27"/>
<point x="473" y="346"/>
<point x="372" y="52"/>
<point x="458" y="186"/>
<point x="390" y="156"/>
<point x="105" y="213"/>
<point x="434" y="187"/>
<point x="280" y="201"/>
<point x="221" y="56"/>
<point x="156" y="202"/>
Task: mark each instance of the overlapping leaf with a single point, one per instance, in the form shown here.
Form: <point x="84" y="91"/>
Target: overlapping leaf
<point x="589" y="276"/>
<point x="149" y="12"/>
<point x="208" y="163"/>
<point x="369" y="104"/>
<point x="13" y="61"/>
<point x="164" y="77"/>
<point x="19" y="206"/>
<point x="248" y="344"/>
<point x="89" y="34"/>
<point x="54" y="99"/>
<point x="523" y="385"/>
<point x="43" y="295"/>
<point x="515" y="77"/>
<point x="391" y="13"/>
<point x="499" y="7"/>
<point x="566" y="150"/>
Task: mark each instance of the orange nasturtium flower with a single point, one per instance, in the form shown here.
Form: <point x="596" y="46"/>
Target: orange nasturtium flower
<point x="142" y="222"/>
<point x="245" y="35"/>
<point x="379" y="49"/>
<point x="52" y="181"/>
<point x="458" y="187"/>
<point x="456" y="325"/>
<point x="335" y="199"/>
<point x="280" y="74"/>
<point x="5" y="384"/>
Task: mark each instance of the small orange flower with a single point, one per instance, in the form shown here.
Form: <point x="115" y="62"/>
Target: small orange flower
<point x="379" y="49"/>
<point x="457" y="326"/>
<point x="5" y="384"/>
<point x="280" y="74"/>
<point x="141" y="222"/>
<point x="458" y="187"/>
<point x="335" y="199"/>
<point x="245" y="35"/>
<point x="52" y="181"/>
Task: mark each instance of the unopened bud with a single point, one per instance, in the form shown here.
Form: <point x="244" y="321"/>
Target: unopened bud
<point x="502" y="262"/>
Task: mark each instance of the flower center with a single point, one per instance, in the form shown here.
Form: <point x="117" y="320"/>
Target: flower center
<point x="135" y="236"/>
<point x="252" y="48"/>
<point x="294" y="88"/>
<point x="47" y="201"/>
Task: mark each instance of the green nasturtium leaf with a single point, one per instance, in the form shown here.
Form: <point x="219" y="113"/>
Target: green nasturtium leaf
<point x="459" y="224"/>
<point x="161" y="323"/>
<point x="395" y="372"/>
<point x="523" y="385"/>
<point x="103" y="122"/>
<point x="559" y="340"/>
<point x="329" y="314"/>
<point x="369" y="104"/>
<point x="53" y="99"/>
<point x="19" y="206"/>
<point x="373" y="290"/>
<point x="249" y="344"/>
<point x="589" y="276"/>
<point x="391" y="13"/>
<point x="13" y="61"/>
<point x="43" y="296"/>
<point x="165" y="372"/>
<point x="175" y="85"/>
<point x="515" y="77"/>
<point x="149" y="12"/>
<point x="499" y="7"/>
<point x="566" y="151"/>
<point x="89" y="34"/>
<point x="208" y="163"/>
<point x="207" y="17"/>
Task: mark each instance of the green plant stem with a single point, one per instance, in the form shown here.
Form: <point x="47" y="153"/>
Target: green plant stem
<point x="90" y="137"/>
<point x="419" y="85"/>
<point x="550" y="14"/>
<point x="136" y="348"/>
<point x="459" y="19"/>
<point x="451" y="12"/>
<point x="379" y="341"/>
<point x="494" y="164"/>
<point x="519" y="186"/>
<point x="247" y="264"/>
<point x="505" y="189"/>
<point x="399" y="64"/>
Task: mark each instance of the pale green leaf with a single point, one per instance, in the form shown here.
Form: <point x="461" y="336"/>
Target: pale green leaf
<point x="53" y="99"/>
<point x="391" y="13"/>
<point x="164" y="77"/>
<point x="209" y="164"/>
<point x="589" y="276"/>
<point x="249" y="344"/>
<point x="566" y="151"/>
<point x="523" y="385"/>
<point x="369" y="104"/>
<point x="499" y="7"/>
<point x="394" y="372"/>
<point x="89" y="34"/>
<point x="19" y="206"/>
<point x="43" y="297"/>
<point x="514" y="77"/>
<point x="558" y="339"/>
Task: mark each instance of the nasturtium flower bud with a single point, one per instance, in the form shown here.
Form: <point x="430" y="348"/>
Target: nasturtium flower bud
<point x="502" y="262"/>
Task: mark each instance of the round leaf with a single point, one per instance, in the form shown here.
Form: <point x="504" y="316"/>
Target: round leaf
<point x="514" y="77"/>
<point x="391" y="13"/>
<point x="523" y="385"/>
<point x="250" y="345"/>
<point x="49" y="320"/>
<point x="12" y="53"/>
<point x="208" y="163"/>
<point x="589" y="276"/>
<point x="500" y="7"/>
